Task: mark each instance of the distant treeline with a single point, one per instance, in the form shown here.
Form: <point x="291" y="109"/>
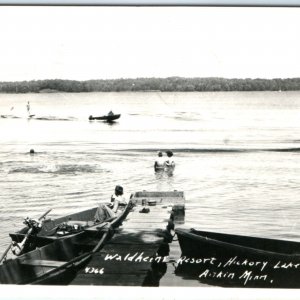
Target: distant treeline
<point x="171" y="84"/>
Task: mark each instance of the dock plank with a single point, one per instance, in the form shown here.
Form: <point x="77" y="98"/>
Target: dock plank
<point x="146" y="239"/>
<point x="130" y="249"/>
<point x="143" y="226"/>
<point x="144" y="236"/>
<point x="128" y="258"/>
<point x="115" y="267"/>
<point x="134" y="264"/>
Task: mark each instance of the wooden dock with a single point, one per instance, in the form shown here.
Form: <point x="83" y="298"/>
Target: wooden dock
<point x="138" y="253"/>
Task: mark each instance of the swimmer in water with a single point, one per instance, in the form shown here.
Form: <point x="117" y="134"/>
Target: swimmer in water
<point x="159" y="163"/>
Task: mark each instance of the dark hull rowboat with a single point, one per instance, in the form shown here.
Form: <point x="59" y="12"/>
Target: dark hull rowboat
<point x="107" y="118"/>
<point x="238" y="261"/>
<point x="57" y="262"/>
<point x="52" y="230"/>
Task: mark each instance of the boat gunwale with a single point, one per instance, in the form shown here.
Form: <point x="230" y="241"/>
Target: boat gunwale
<point x="55" y="222"/>
<point x="233" y="245"/>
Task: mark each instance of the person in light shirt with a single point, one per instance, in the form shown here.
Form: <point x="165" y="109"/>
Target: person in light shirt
<point x="159" y="163"/>
<point x="118" y="202"/>
<point x="118" y="199"/>
<point x="169" y="163"/>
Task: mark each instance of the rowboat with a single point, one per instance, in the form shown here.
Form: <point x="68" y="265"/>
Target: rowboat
<point x="107" y="118"/>
<point x="238" y="261"/>
<point x="57" y="262"/>
<point x="44" y="231"/>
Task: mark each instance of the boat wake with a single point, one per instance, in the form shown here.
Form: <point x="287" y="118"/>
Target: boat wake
<point x="57" y="169"/>
<point x="43" y="118"/>
<point x="9" y="117"/>
<point x="53" y="118"/>
<point x="184" y="116"/>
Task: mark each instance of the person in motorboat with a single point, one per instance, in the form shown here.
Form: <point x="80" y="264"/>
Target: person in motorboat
<point x="159" y="164"/>
<point x="110" y="113"/>
<point x="169" y="163"/>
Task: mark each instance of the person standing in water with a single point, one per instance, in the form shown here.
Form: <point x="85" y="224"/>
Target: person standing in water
<point x="159" y="163"/>
<point x="28" y="108"/>
<point x="169" y="164"/>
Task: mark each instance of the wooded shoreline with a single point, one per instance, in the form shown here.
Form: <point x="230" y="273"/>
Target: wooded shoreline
<point x="170" y="84"/>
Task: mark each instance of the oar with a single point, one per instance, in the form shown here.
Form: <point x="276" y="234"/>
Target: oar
<point x="45" y="214"/>
<point x="5" y="253"/>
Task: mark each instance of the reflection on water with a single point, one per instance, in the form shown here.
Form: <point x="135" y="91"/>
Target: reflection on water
<point x="164" y="180"/>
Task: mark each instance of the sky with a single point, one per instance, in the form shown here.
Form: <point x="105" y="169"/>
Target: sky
<point x="83" y="43"/>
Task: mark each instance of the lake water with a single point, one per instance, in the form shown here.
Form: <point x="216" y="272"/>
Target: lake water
<point x="237" y="156"/>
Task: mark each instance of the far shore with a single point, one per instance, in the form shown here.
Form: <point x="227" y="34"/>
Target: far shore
<point x="171" y="84"/>
<point x="143" y="91"/>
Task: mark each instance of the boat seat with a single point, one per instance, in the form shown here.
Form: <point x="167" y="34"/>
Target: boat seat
<point x="43" y="263"/>
<point x="81" y="223"/>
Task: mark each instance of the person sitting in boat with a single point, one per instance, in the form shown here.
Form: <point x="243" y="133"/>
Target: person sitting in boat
<point x="159" y="163"/>
<point x="118" y="199"/>
<point x="110" y="113"/>
<point x="169" y="164"/>
<point x="105" y="212"/>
